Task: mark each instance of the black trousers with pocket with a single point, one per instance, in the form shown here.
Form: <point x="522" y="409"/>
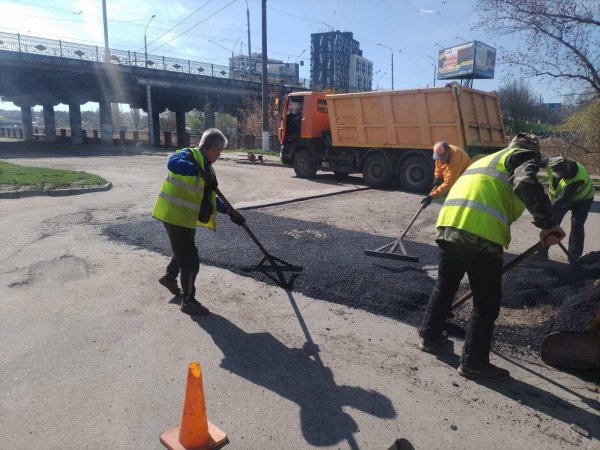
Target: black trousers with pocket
<point x="579" y="213"/>
<point x="485" y="277"/>
<point x="185" y="261"/>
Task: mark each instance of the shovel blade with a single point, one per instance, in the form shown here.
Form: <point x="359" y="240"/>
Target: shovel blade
<point x="572" y="350"/>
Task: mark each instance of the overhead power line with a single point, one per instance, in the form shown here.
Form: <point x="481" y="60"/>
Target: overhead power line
<point x="180" y="22"/>
<point x="194" y="26"/>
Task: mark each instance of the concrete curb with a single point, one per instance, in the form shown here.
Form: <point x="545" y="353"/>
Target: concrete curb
<point x="55" y="192"/>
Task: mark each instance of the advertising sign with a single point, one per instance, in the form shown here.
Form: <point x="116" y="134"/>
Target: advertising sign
<point x="471" y="60"/>
<point x="485" y="61"/>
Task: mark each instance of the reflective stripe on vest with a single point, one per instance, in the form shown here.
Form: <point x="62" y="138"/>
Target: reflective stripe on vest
<point x="482" y="201"/>
<point x="473" y="204"/>
<point x="585" y="192"/>
<point x="179" y="201"/>
<point x="195" y="188"/>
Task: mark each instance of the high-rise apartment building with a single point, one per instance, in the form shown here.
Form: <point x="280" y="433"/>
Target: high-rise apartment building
<point x="336" y="62"/>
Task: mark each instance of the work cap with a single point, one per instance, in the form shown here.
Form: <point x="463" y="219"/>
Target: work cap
<point x="525" y="141"/>
<point x="558" y="164"/>
<point x="441" y="151"/>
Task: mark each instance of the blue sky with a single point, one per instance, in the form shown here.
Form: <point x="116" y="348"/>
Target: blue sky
<point x="414" y="29"/>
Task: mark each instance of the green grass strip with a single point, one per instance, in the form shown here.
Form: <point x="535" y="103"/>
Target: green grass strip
<point x="19" y="177"/>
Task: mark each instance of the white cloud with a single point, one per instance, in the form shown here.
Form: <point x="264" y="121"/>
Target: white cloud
<point x="426" y="12"/>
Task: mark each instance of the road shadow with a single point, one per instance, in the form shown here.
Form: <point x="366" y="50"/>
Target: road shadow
<point x="60" y="149"/>
<point x="297" y="375"/>
<point x="536" y="398"/>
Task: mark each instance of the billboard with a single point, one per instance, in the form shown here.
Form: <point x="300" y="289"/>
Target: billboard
<point x="471" y="60"/>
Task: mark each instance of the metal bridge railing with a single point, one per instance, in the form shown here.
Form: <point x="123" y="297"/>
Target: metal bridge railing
<point x="61" y="49"/>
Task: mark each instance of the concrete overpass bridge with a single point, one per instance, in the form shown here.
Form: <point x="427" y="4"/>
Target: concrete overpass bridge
<point x="38" y="71"/>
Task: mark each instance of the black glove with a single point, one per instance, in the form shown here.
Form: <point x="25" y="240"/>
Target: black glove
<point x="426" y="201"/>
<point x="236" y="217"/>
<point x="210" y="182"/>
<point x="437" y="182"/>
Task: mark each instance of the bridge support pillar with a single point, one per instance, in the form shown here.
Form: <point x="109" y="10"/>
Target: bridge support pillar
<point x="49" y="123"/>
<point x="75" y="121"/>
<point x="156" y="128"/>
<point x="27" y="123"/>
<point x="182" y="140"/>
<point x="209" y="119"/>
<point x="106" y="126"/>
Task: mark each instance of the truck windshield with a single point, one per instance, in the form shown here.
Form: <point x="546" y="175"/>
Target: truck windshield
<point x="293" y="120"/>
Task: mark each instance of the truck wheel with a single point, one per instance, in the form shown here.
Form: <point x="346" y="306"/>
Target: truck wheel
<point x="304" y="166"/>
<point x="416" y="174"/>
<point x="377" y="171"/>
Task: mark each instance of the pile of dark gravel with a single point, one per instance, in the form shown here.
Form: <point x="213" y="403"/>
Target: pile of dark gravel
<point x="336" y="270"/>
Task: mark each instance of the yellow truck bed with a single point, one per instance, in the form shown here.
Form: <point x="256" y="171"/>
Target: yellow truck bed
<point x="416" y="119"/>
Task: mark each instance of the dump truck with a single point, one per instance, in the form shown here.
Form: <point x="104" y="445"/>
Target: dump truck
<point x="386" y="135"/>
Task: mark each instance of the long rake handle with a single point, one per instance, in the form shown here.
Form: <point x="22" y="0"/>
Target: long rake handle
<point x="412" y="221"/>
<point x="519" y="259"/>
<point x="230" y="207"/>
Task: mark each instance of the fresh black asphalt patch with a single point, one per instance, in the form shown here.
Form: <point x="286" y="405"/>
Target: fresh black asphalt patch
<point x="336" y="269"/>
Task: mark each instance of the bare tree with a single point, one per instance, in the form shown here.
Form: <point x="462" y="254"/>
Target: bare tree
<point x="559" y="38"/>
<point x="517" y="103"/>
<point x="251" y="115"/>
<point x="135" y="117"/>
<point x="167" y="120"/>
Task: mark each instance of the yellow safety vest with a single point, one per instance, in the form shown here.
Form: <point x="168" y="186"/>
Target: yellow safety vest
<point x="482" y="201"/>
<point x="585" y="192"/>
<point x="181" y="196"/>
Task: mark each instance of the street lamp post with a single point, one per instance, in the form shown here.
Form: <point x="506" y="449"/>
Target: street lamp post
<point x="145" y="46"/>
<point x="392" y="52"/>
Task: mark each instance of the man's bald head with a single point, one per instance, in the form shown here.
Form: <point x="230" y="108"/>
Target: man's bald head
<point x="441" y="151"/>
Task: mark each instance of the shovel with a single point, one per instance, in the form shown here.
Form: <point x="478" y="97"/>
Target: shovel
<point x="518" y="260"/>
<point x="277" y="264"/>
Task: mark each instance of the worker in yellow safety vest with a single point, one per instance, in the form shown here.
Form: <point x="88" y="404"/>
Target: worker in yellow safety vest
<point x="472" y="229"/>
<point x="570" y="188"/>
<point x="186" y="200"/>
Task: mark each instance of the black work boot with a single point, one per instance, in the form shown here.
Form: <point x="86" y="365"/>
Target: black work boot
<point x="170" y="284"/>
<point x="487" y="373"/>
<point x="191" y="306"/>
<point x="429" y="345"/>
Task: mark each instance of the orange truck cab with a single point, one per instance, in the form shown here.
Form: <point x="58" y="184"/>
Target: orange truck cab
<point x="304" y="122"/>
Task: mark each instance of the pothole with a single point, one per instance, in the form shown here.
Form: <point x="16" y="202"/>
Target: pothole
<point x="305" y="234"/>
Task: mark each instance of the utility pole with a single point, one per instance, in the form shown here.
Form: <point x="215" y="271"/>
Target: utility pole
<point x="106" y="49"/>
<point x="392" y="52"/>
<point x="249" y="46"/>
<point x="145" y="46"/>
<point x="265" y="91"/>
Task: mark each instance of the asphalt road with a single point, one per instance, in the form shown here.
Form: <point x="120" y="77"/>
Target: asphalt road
<point x="93" y="352"/>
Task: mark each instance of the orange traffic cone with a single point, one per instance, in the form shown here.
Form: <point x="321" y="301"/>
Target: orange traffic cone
<point x="195" y="432"/>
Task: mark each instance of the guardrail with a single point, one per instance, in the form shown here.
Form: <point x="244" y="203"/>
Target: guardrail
<point x="71" y="50"/>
